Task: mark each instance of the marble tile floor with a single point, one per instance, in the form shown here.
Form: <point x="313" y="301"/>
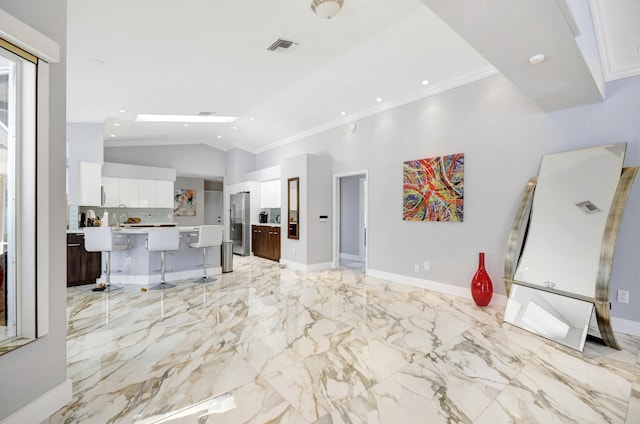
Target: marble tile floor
<point x="270" y="345"/>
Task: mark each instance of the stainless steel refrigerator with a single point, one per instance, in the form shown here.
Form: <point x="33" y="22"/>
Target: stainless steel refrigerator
<point x="240" y="227"/>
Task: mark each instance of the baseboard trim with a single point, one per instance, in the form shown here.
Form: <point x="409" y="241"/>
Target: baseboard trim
<point x="296" y="266"/>
<point x="43" y="407"/>
<point x="465" y="292"/>
<point x="621" y="325"/>
<point x="349" y="257"/>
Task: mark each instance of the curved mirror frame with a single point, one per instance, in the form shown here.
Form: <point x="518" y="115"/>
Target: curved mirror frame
<point x="596" y="286"/>
<point x="293" y="208"/>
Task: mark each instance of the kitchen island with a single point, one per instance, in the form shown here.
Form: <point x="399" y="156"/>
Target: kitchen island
<point x="136" y="265"/>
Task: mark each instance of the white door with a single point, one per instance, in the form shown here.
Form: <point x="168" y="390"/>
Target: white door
<point x="213" y="207"/>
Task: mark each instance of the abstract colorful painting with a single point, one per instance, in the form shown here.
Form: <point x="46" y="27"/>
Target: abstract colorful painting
<point x="184" y="202"/>
<point x="434" y="189"/>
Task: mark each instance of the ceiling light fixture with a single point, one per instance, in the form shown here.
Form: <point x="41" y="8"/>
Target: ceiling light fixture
<point x="235" y="128"/>
<point x="186" y="118"/>
<point x="343" y="113"/>
<point x="378" y="99"/>
<point x="252" y="118"/>
<point x="117" y="124"/>
<point x="219" y="136"/>
<point x="123" y="111"/>
<point x="425" y="82"/>
<point x="326" y="9"/>
<point x="536" y="58"/>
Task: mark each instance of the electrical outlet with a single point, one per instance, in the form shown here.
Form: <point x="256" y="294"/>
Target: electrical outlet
<point x="623" y="296"/>
<point x="426" y="266"/>
<point x="416" y="268"/>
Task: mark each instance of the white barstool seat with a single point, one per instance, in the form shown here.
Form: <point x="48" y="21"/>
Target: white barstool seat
<point x="103" y="239"/>
<point x="163" y="240"/>
<point x="208" y="236"/>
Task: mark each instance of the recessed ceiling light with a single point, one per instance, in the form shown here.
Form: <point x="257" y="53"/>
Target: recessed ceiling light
<point x="378" y="99"/>
<point x="536" y="58"/>
<point x="425" y="82"/>
<point x="123" y="111"/>
<point x="219" y="136"/>
<point x="234" y="127"/>
<point x="117" y="124"/>
<point x="252" y="118"/>
<point x="343" y="113"/>
<point x="186" y="125"/>
<point x="185" y="118"/>
<point x="112" y="135"/>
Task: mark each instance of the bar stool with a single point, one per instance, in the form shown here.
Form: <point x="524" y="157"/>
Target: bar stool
<point x="208" y="236"/>
<point x="102" y="239"/>
<point x="162" y="240"/>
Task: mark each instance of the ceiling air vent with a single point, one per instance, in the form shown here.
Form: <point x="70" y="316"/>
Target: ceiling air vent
<point x="281" y="45"/>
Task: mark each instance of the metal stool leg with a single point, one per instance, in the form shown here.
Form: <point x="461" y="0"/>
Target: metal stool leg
<point x="107" y="285"/>
<point x="205" y="278"/>
<point x="163" y="284"/>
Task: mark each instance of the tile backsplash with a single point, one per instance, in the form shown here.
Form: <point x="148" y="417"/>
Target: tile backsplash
<point x="146" y="215"/>
<point x="274" y="215"/>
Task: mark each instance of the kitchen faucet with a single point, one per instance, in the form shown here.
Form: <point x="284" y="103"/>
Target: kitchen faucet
<point x="120" y="215"/>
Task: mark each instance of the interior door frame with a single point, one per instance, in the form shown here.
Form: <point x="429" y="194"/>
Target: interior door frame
<point x="337" y="217"/>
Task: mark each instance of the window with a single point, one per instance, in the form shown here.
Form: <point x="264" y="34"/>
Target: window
<point x="17" y="195"/>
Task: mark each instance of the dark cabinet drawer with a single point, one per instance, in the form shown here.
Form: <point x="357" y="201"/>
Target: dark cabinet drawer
<point x="82" y="267"/>
<point x="265" y="242"/>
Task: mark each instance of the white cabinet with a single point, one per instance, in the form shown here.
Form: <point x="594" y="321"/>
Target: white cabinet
<point x="155" y="193"/>
<point x="110" y="192"/>
<point x="89" y="175"/>
<point x="147" y="193"/>
<point x="164" y="191"/>
<point x="129" y="192"/>
<point x="137" y="193"/>
<point x="270" y="194"/>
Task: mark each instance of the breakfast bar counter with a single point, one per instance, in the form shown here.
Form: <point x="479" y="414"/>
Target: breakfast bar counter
<point x="136" y="265"/>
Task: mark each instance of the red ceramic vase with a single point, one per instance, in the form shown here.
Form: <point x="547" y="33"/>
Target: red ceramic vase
<point x="481" y="286"/>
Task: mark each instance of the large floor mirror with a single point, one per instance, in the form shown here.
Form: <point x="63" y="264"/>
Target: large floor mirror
<point x="560" y="253"/>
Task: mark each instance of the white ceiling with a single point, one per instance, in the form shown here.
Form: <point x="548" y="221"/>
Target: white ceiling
<point x="161" y="56"/>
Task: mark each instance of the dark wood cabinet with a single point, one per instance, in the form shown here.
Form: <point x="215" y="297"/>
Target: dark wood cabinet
<point x="82" y="267"/>
<point x="265" y="242"/>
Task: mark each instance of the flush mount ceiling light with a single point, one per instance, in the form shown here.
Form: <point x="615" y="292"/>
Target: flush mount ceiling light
<point x="536" y="59"/>
<point x="326" y="9"/>
<point x="186" y="118"/>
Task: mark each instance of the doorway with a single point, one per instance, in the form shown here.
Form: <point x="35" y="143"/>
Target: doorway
<point x="350" y="228"/>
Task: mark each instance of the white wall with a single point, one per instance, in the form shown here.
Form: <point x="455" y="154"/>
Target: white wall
<point x="313" y="247"/>
<point x="239" y="163"/>
<point x="503" y="135"/>
<point x="32" y="370"/>
<point x="319" y="194"/>
<point x="85" y="145"/>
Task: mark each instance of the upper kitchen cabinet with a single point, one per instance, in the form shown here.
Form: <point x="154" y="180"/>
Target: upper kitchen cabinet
<point x="270" y="194"/>
<point x="129" y="192"/>
<point x="89" y="182"/>
<point x="110" y="192"/>
<point x="155" y="194"/>
<point x="137" y="186"/>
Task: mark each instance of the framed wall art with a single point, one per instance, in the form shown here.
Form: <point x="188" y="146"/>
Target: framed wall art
<point x="433" y="189"/>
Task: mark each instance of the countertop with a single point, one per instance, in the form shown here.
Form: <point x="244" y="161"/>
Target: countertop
<point x="268" y="224"/>
<point x="138" y="229"/>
